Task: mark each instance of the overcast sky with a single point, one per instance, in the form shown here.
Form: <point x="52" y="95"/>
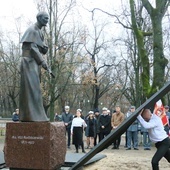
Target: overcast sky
<point x="12" y="9"/>
<point x="18" y="14"/>
<point x="11" y="12"/>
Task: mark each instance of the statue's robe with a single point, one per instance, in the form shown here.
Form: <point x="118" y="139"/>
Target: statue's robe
<point x="31" y="103"/>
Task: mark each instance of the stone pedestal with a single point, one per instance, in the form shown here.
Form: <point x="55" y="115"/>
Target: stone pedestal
<point x="35" y="145"/>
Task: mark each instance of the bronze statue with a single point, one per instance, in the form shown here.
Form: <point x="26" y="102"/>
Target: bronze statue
<point x="31" y="103"/>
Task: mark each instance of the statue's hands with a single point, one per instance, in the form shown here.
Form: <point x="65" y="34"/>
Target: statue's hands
<point x="44" y="65"/>
<point x="44" y="49"/>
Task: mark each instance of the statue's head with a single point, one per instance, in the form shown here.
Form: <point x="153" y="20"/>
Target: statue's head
<point x="42" y="18"/>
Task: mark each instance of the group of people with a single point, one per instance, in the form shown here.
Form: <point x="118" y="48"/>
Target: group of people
<point x="95" y="125"/>
<point x="76" y="125"/>
<point x="132" y="131"/>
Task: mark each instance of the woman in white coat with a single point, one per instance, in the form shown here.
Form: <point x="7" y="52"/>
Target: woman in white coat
<point x="78" y="124"/>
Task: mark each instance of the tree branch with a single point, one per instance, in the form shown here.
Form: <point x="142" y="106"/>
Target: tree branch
<point x="162" y="6"/>
<point x="125" y="26"/>
<point x="147" y="6"/>
<point x="105" y="65"/>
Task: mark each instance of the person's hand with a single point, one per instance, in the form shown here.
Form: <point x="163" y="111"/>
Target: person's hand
<point x="66" y="124"/>
<point x="141" y="111"/>
<point x="44" y="65"/>
<point x="102" y="127"/>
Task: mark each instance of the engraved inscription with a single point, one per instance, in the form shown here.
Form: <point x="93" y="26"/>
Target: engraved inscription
<point x="27" y="140"/>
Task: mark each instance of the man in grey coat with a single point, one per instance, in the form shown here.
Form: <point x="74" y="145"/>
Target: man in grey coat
<point x="146" y="139"/>
<point x="132" y="132"/>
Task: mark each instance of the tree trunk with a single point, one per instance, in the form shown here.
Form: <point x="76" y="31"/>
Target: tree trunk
<point x="145" y="71"/>
<point x="96" y="100"/>
<point x="160" y="61"/>
<point x="51" y="111"/>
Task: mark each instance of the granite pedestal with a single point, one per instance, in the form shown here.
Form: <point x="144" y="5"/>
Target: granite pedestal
<point x="35" y="145"/>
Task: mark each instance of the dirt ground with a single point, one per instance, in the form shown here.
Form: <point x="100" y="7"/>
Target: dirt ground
<point x="123" y="159"/>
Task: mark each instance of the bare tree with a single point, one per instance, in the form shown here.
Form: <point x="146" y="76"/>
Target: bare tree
<point x="9" y="78"/>
<point x="101" y="62"/>
<point x="64" y="40"/>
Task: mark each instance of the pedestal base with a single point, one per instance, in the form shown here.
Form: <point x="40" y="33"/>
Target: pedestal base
<point x="35" y="145"/>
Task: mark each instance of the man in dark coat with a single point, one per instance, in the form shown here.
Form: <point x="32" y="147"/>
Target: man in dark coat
<point x="31" y="103"/>
<point x="91" y="129"/>
<point x="96" y="138"/>
<point x="15" y="115"/>
<point x="104" y="124"/>
<point x="67" y="118"/>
